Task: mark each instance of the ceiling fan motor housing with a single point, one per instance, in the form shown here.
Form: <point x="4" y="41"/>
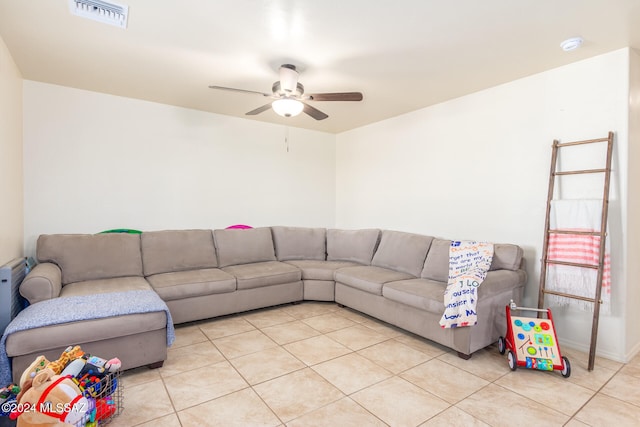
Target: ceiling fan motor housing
<point x="288" y="78"/>
<point x="279" y="92"/>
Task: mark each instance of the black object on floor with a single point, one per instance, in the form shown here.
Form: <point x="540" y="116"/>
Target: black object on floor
<point x="7" y="422"/>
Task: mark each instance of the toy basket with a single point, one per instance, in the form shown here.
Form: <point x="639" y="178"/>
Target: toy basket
<point x="532" y="342"/>
<point x="105" y="400"/>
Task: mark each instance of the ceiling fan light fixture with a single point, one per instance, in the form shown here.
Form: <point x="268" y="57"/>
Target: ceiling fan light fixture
<point x="287" y="107"/>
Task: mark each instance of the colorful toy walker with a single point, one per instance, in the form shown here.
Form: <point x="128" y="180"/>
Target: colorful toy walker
<point x="532" y="342"/>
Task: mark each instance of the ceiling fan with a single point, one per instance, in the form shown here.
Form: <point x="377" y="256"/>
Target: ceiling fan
<point x="289" y="95"/>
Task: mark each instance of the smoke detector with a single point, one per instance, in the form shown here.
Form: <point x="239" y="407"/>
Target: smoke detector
<point x="571" y="44"/>
<point x="101" y="11"/>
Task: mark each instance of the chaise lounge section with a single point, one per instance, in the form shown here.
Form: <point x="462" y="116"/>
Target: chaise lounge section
<point x="87" y="265"/>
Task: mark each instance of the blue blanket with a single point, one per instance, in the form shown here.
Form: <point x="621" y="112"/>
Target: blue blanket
<point x="79" y="308"/>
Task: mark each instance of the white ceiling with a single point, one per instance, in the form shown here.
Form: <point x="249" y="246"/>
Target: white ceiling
<point x="402" y="54"/>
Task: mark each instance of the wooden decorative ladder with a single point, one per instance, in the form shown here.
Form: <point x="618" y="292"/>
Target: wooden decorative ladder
<point x="596" y="300"/>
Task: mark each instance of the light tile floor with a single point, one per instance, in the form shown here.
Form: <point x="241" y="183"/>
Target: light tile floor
<point x="318" y="364"/>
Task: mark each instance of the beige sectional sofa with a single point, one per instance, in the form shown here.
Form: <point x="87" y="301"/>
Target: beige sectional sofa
<point x="394" y="276"/>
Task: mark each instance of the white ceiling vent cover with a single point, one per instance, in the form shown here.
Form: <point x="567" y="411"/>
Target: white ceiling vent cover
<point x="101" y="11"/>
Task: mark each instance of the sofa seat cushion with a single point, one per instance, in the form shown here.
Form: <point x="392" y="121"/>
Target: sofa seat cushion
<point x="428" y="295"/>
<point x="368" y="278"/>
<point x="103" y="286"/>
<point x="192" y="283"/>
<point x="423" y="294"/>
<point x="436" y="266"/>
<point x="320" y="270"/>
<point x="499" y="281"/>
<point x="53" y="336"/>
<point x="259" y="274"/>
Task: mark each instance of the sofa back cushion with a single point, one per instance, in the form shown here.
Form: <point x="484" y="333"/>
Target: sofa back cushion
<point x="506" y="257"/>
<point x="352" y="245"/>
<point x="238" y="246"/>
<point x="177" y="250"/>
<point x="91" y="256"/>
<point x="404" y="252"/>
<point x="299" y="243"/>
<point x="436" y="266"/>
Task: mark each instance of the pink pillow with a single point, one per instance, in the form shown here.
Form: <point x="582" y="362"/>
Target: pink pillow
<point x="240" y="226"/>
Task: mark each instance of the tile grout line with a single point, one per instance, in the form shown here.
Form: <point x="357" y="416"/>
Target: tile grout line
<point x="598" y="392"/>
<point x="307" y="366"/>
<point x="386" y="338"/>
<point x="356" y="352"/>
<point x="175" y="412"/>
<point x="393" y="374"/>
<point x="251" y="386"/>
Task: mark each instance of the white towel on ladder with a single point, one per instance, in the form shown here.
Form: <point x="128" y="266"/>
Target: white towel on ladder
<point x="577" y="215"/>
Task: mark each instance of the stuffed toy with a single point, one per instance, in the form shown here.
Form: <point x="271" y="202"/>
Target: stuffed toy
<point x="70" y="354"/>
<point x="39" y="364"/>
<point x="49" y="400"/>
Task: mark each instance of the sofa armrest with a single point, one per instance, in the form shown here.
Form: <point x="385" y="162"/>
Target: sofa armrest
<point x="42" y="283"/>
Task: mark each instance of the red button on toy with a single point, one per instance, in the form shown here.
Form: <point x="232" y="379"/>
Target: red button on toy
<point x="544" y="325"/>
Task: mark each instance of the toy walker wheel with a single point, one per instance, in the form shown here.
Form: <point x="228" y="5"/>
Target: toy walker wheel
<point x="502" y="346"/>
<point x="512" y="360"/>
<point x="566" y="371"/>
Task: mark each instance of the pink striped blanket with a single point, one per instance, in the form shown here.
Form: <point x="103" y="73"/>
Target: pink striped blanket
<point x="577" y="215"/>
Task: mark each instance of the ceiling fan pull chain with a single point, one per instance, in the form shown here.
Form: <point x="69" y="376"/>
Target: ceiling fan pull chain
<point x="286" y="138"/>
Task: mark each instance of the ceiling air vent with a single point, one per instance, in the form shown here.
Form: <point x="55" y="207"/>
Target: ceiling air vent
<point x="101" y="11"/>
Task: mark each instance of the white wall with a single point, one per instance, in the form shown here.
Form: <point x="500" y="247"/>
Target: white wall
<point x="633" y="213"/>
<point x="471" y="168"/>
<point x="95" y="162"/>
<point x="11" y="211"/>
<point x="477" y="167"/>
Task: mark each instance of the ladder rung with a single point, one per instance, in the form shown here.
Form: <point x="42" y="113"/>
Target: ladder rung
<point x="562" y="294"/>
<point x="586" y="141"/>
<point x="577" y="233"/>
<point x="580" y="172"/>
<point x="572" y="264"/>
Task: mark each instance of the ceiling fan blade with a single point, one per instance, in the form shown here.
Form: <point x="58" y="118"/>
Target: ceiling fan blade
<point x="259" y="110"/>
<point x="314" y="112"/>
<point x="239" y="90"/>
<point x="339" y="96"/>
